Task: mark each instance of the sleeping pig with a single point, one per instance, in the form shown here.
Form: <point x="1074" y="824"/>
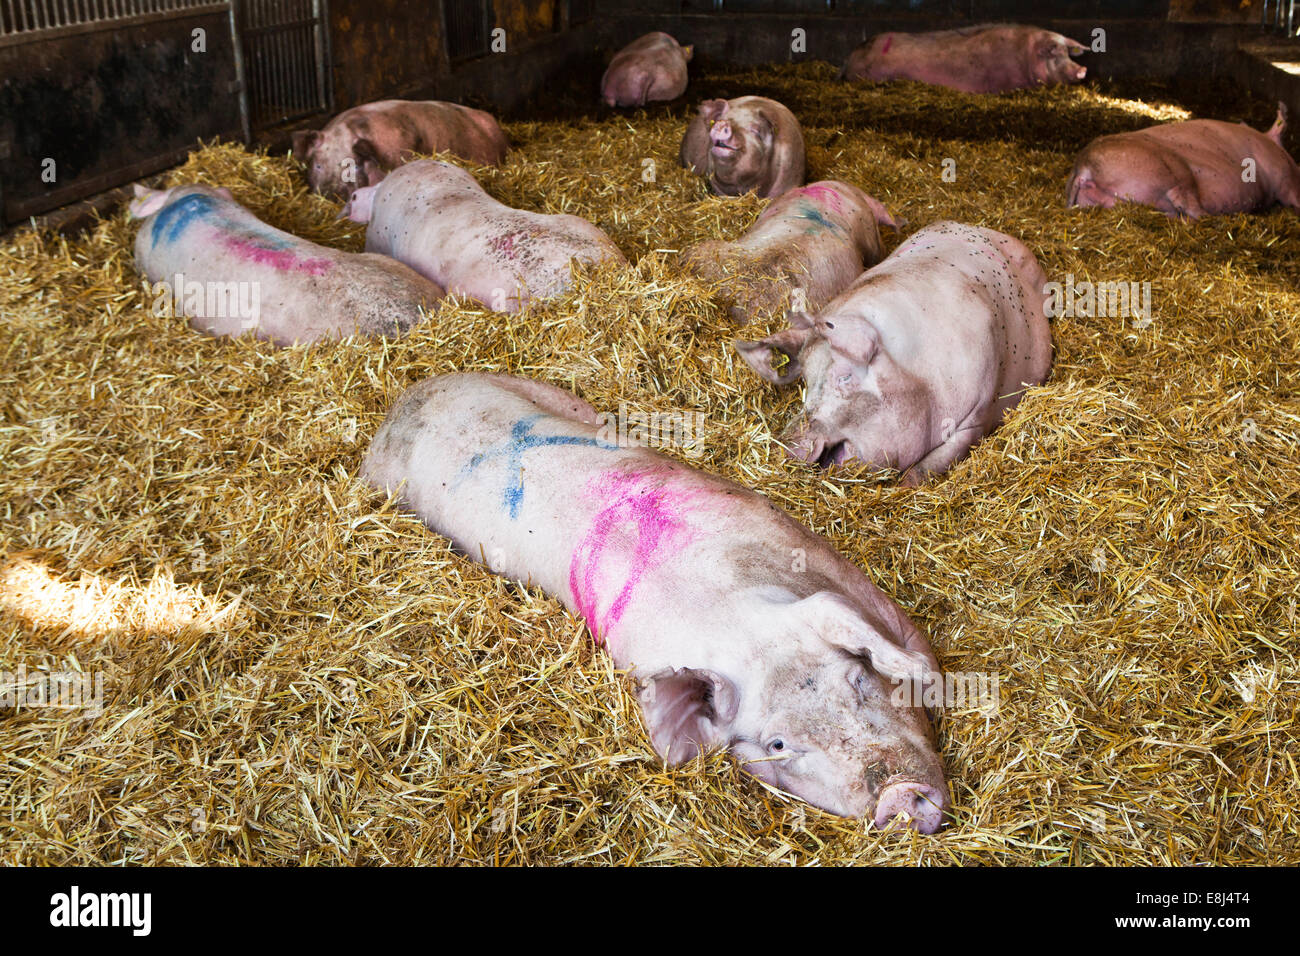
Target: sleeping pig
<point x="741" y="628"/>
<point x="232" y="273"/>
<point x="749" y="144"/>
<point x="437" y="219"/>
<point x="652" y="67"/>
<point x="807" y="245"/>
<point x="1189" y="169"/>
<point x="990" y="58"/>
<point x="920" y="357"/>
<point x="361" y="145"/>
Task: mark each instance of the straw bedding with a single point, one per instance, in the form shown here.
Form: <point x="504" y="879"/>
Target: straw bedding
<point x="297" y="672"/>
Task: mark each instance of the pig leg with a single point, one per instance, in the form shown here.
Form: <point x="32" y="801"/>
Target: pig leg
<point x="1183" y="201"/>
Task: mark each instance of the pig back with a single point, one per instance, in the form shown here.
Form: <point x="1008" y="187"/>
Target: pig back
<point x="553" y="500"/>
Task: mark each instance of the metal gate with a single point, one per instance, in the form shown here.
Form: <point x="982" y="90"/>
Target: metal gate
<point x="46" y="17"/>
<point x="1282" y="19"/>
<point x="465" y="28"/>
<point x="285" y="60"/>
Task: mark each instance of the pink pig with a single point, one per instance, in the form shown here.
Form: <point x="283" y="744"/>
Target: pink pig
<point x="652" y="67"/>
<point x="741" y="628"/>
<point x="1191" y="169"/>
<point x="805" y="248"/>
<point x="749" y="144"/>
<point x="436" y="218"/>
<point x="231" y="273"/>
<point x="919" y="358"/>
<point x="361" y="145"/>
<point x="990" y="58"/>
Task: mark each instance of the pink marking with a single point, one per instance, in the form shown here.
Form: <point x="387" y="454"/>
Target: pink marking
<point x="282" y="260"/>
<point x="506" y="244"/>
<point x="823" y="194"/>
<point x="889" y="41"/>
<point x="642" y="524"/>
<point x="818" y="194"/>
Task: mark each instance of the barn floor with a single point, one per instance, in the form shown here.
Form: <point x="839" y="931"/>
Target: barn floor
<point x="296" y="672"/>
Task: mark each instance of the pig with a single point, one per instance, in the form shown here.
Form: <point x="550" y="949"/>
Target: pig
<point x="990" y="58"/>
<point x="650" y="68"/>
<point x="807" y="245"/>
<point x="437" y="219"/>
<point x="232" y="273"/>
<point x="809" y="677"/>
<point x="1188" y="169"/>
<point x="749" y="144"/>
<point x="361" y="145"/>
<point x="920" y="357"/>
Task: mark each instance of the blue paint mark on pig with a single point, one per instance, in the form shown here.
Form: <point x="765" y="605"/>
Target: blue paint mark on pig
<point x="521" y="440"/>
<point x="814" y="216"/>
<point x="174" y="218"/>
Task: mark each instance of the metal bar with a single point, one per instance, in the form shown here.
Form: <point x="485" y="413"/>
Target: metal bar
<point x="39" y="34"/>
<point x="241" y="81"/>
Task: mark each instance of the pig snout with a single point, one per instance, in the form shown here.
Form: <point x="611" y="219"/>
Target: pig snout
<point x="721" y="135"/>
<point x="811" y="444"/>
<point x="922" y="803"/>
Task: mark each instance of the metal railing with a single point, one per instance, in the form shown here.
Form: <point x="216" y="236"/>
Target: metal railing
<point x="465" y="28"/>
<point x="23" y="17"/>
<point x="284" y="49"/>
<point x="1283" y="19"/>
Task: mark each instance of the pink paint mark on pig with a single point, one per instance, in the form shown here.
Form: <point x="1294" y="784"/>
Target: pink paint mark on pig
<point x="506" y="244"/>
<point x="889" y="41"/>
<point x="282" y="260"/>
<point x="823" y="194"/>
<point x="641" y="524"/>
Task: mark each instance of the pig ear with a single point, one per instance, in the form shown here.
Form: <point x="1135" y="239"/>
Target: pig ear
<point x="368" y="163"/>
<point x="688" y="52"/>
<point x="712" y="109"/>
<point x="688" y="710"/>
<point x="304" y="141"/>
<point x="896" y="649"/>
<point x="856" y="340"/>
<point x="147" y="201"/>
<point x="1073" y="46"/>
<point x="360" y="206"/>
<point x="759" y="354"/>
<point x="767" y="129"/>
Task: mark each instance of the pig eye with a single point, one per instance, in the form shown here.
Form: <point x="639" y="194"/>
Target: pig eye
<point x="776" y="746"/>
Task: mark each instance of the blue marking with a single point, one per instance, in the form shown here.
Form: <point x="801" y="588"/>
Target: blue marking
<point x="174" y="218"/>
<point x="815" y="217"/>
<point x="521" y="440"/>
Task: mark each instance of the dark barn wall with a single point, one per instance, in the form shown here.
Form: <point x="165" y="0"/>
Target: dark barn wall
<point x="1133" y="47"/>
<point x="384" y="48"/>
<point x="395" y="48"/>
<point x="113" y="106"/>
<point x="109" y="107"/>
<point x="527" y="20"/>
